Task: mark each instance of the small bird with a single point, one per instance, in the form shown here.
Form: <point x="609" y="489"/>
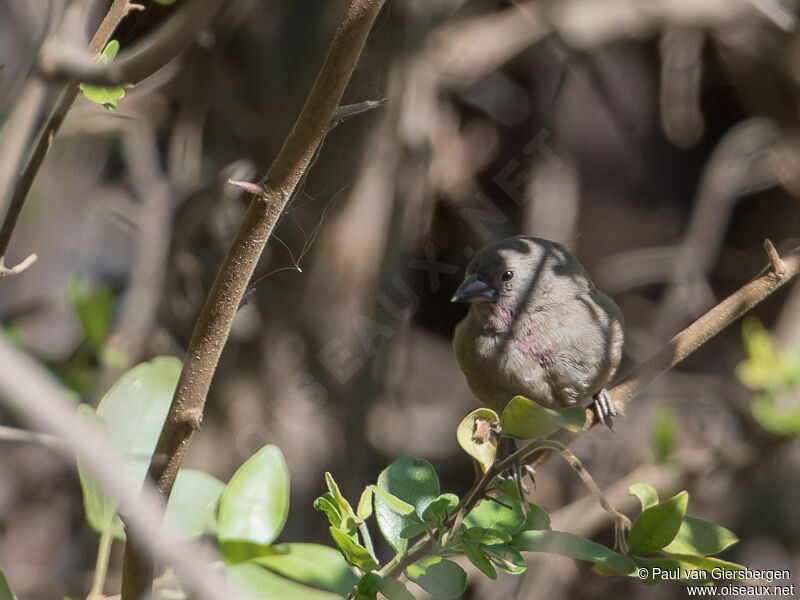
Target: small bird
<point x="537" y="328"/>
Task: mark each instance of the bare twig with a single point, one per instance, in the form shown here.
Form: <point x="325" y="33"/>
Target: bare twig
<point x="250" y="188"/>
<point x="213" y="326"/>
<point x="776" y="263"/>
<point x="118" y="11"/>
<point x="19" y="267"/>
<point x="12" y="434"/>
<point x="17" y="133"/>
<point x="27" y="387"/>
<point x="59" y="60"/>
<point x="348" y="111"/>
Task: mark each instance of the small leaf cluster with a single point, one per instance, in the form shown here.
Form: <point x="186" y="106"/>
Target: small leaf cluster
<point x="680" y="542"/>
<point x="775" y="374"/>
<point x="244" y="517"/>
<point x="407" y="504"/>
<point x="424" y="527"/>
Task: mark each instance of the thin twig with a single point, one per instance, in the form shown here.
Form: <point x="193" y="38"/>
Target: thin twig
<point x="348" y="111"/>
<point x="621" y="522"/>
<point x="19" y="267"/>
<point x="61" y="61"/>
<point x="12" y="434"/>
<point x="775" y="261"/>
<point x="22" y="187"/>
<point x="215" y="320"/>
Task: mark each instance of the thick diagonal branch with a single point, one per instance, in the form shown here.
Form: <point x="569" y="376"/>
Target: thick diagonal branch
<point x="214" y="324"/>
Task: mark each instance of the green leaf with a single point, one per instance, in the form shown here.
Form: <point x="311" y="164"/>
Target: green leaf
<point x="94" y="310"/>
<point x="664" y="426"/>
<point x="437" y="511"/>
<point x="192" y="505"/>
<point x="108" y="96"/>
<point x="253" y="581"/>
<point x="646" y="494"/>
<point x="506" y="558"/>
<point x="768" y="367"/>
<point x="476" y="556"/>
<point x="5" y="589"/>
<point x="477" y="435"/>
<point x="313" y="564"/>
<point x="364" y="509"/>
<point x="393" y="502"/>
<point x="526" y="419"/>
<point x="504" y="515"/>
<point x="701" y="537"/>
<point x="239" y="551"/>
<point x="658" y="525"/>
<point x="706" y="563"/>
<point x="368" y="587"/>
<point x="411" y="480"/>
<point x="109" y="53"/>
<point x="99" y="508"/>
<point x="573" y="546"/>
<point x="166" y="2"/>
<point x="412" y="528"/>
<point x="353" y="552"/>
<point x="255" y="503"/>
<point x="537" y="518"/>
<point x="779" y="414"/>
<point x="132" y="412"/>
<point x="340" y="501"/>
<point x="393" y="589"/>
<point x="327" y="504"/>
<point x="486" y="537"/>
<point x="438" y="576"/>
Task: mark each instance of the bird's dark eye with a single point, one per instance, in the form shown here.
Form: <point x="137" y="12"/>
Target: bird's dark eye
<point x="508" y="275"/>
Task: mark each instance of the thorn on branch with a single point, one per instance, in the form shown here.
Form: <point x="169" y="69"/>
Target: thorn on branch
<point x="251" y="188"/>
<point x="17" y="269"/>
<point x="342" y="113"/>
<point x="194" y="418"/>
<point x="776" y="264"/>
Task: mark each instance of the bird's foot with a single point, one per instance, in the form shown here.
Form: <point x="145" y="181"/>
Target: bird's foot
<point x="603" y="405"/>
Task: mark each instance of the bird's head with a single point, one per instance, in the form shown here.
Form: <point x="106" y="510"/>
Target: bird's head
<point x="520" y="271"/>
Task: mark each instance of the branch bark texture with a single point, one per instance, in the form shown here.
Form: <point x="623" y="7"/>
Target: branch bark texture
<point x="214" y="324"/>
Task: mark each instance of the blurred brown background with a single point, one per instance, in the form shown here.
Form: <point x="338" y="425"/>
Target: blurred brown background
<point x="657" y="140"/>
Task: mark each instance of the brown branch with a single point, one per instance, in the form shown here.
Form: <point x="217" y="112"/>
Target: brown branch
<point x="118" y="11"/>
<point x="213" y="326"/>
<point x="778" y="273"/>
<point x="348" y="111"/>
<point x="12" y="434"/>
<point x="17" y="133"/>
<point x="59" y="60"/>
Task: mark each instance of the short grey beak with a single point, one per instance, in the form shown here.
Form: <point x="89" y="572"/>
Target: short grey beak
<point x="474" y="290"/>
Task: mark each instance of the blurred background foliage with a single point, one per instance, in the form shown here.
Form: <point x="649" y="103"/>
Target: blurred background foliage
<point x="657" y="142"/>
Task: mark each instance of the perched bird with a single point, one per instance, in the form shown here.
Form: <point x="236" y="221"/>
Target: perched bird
<point x="537" y="327"/>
